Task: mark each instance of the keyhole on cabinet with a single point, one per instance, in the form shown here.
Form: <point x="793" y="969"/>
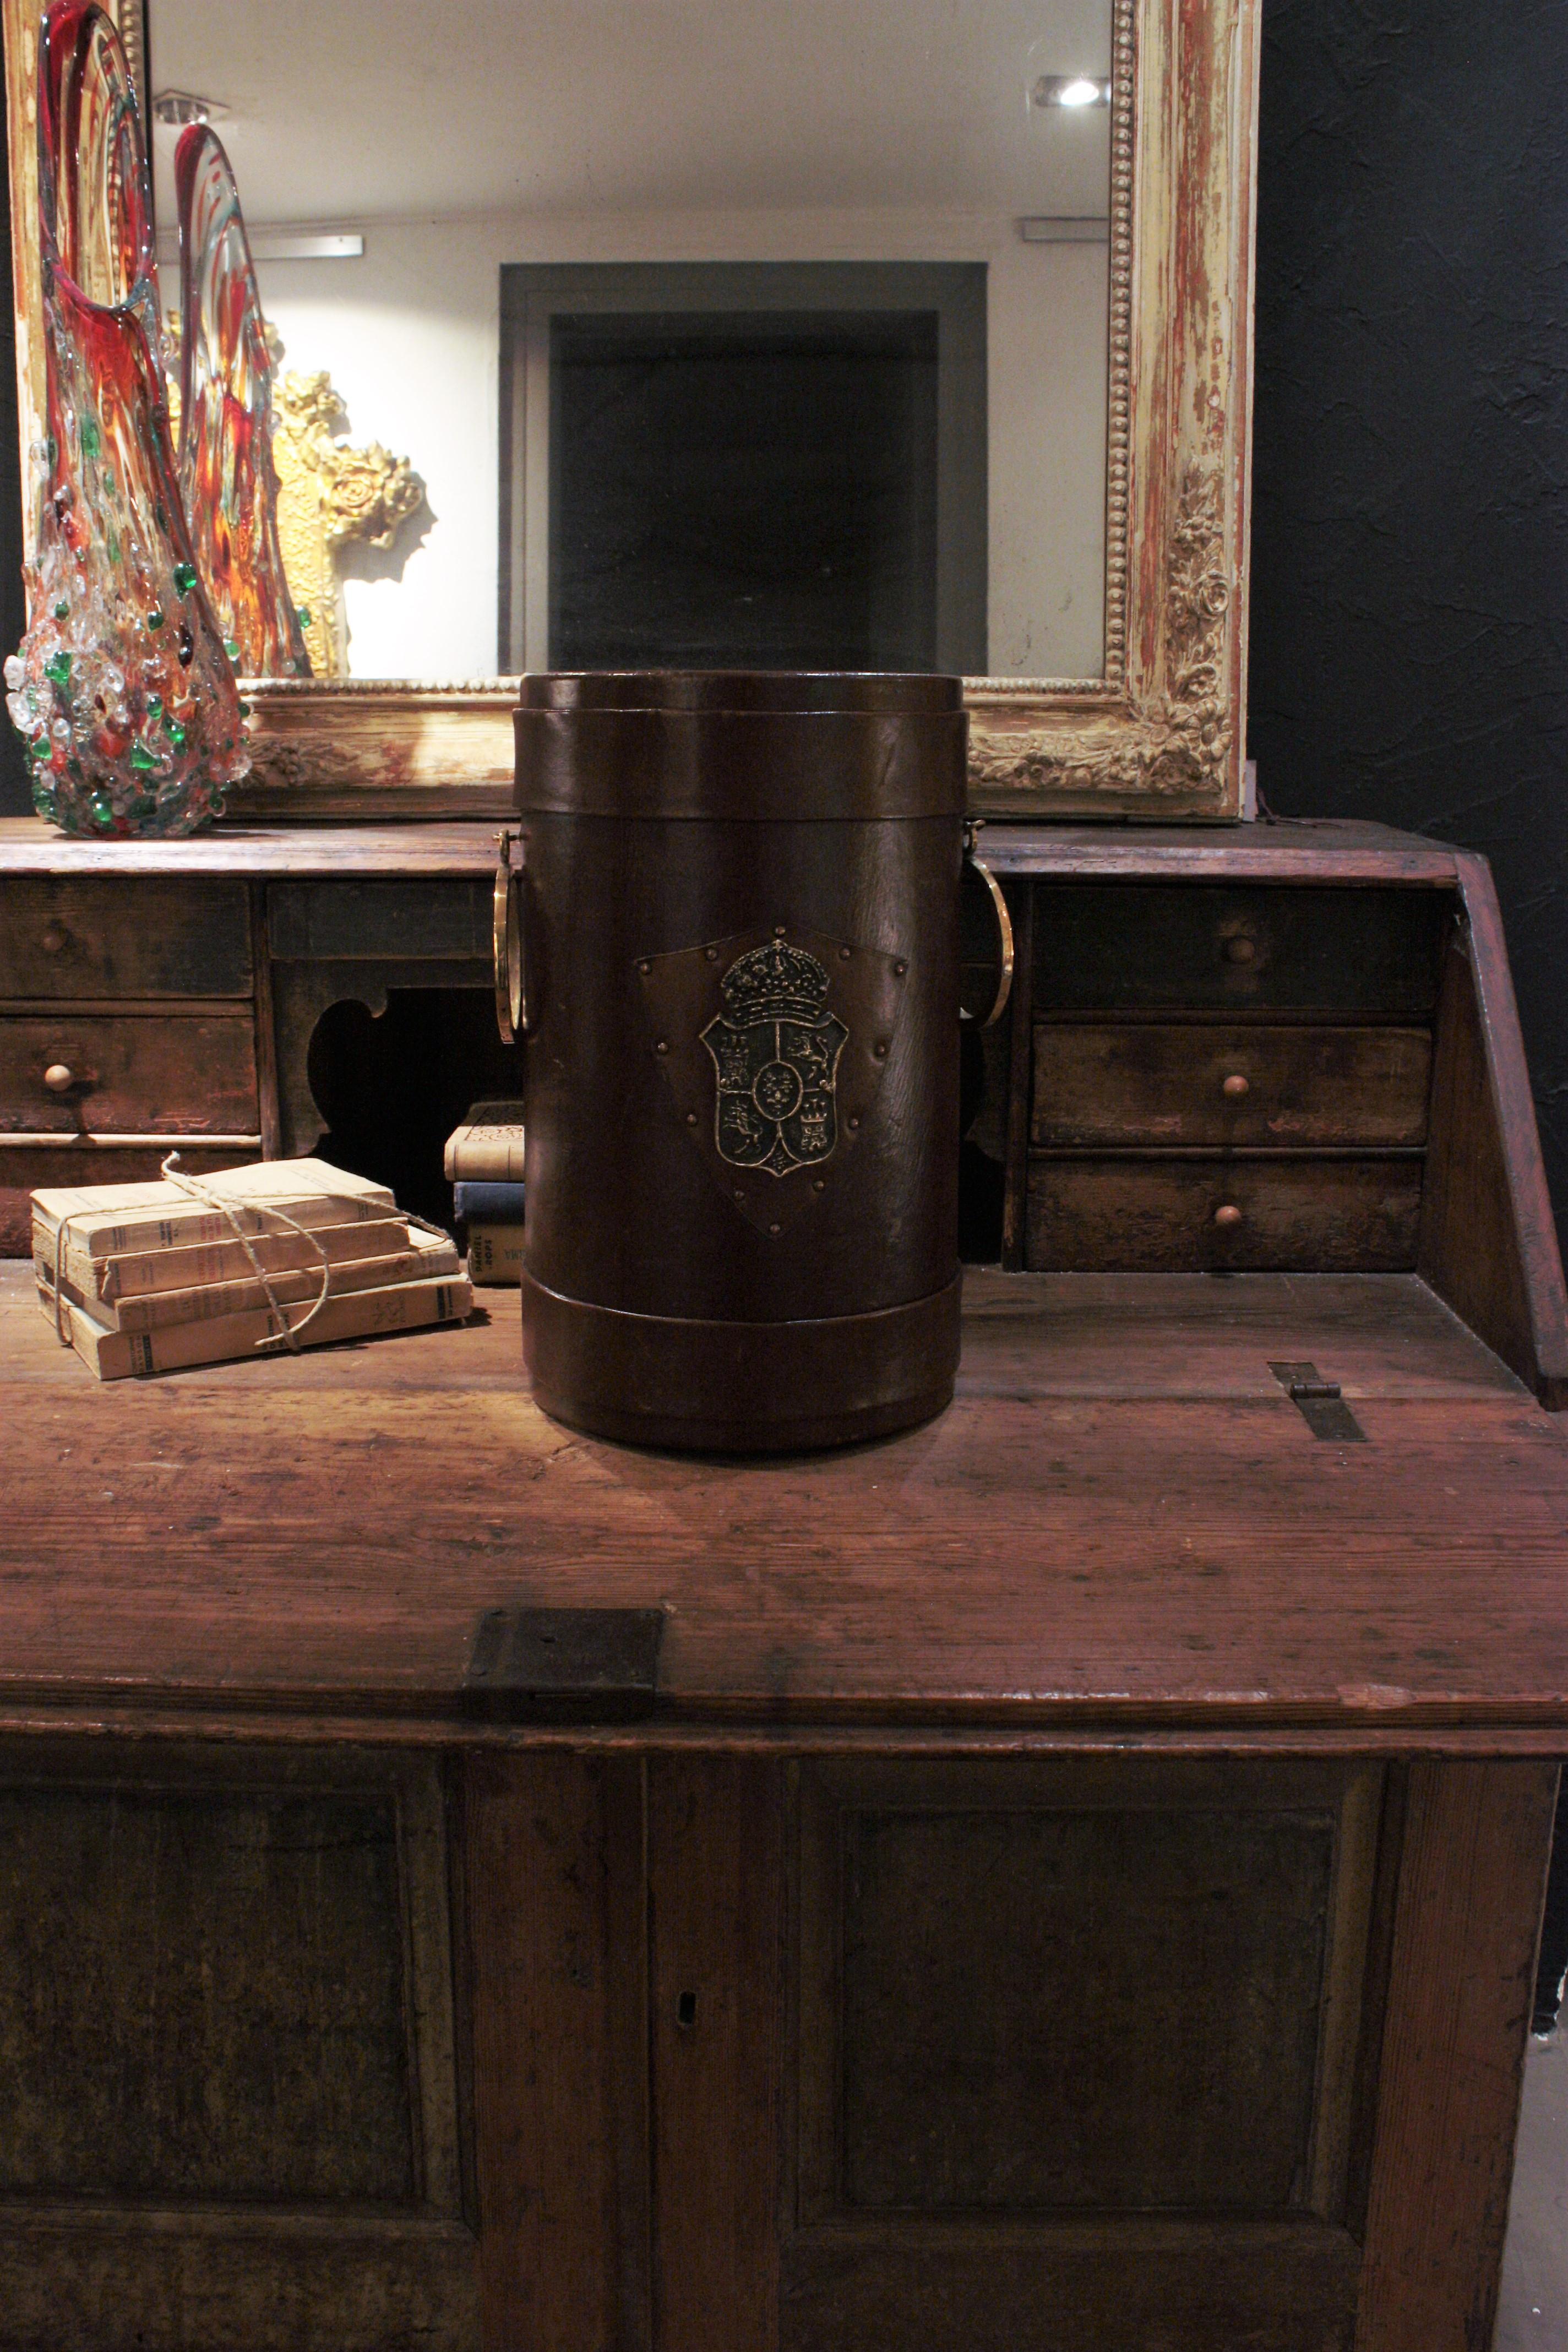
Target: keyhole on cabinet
<point x="686" y="2009"/>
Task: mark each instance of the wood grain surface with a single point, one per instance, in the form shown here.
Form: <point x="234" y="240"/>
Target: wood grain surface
<point x="1122" y="1520"/>
<point x="1223" y="1215"/>
<point x="160" y="1073"/>
<point x="1228" y="1085"/>
<point x="1476" y="1839"/>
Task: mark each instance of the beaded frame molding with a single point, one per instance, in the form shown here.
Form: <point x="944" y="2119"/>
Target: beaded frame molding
<point x="1160" y="735"/>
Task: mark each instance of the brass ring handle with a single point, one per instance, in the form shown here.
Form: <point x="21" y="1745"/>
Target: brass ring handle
<point x="1004" y="929"/>
<point x="511" y="995"/>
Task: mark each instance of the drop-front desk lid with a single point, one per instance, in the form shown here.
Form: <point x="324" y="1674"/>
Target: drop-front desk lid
<point x="1146" y="1516"/>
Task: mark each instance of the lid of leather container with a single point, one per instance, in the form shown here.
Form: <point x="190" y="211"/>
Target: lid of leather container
<point x="742" y="747"/>
<point x="740" y="689"/>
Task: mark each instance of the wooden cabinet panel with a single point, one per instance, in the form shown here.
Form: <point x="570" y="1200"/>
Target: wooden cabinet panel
<point x="349" y="920"/>
<point x="1150" y="946"/>
<point x="1076" y="2054"/>
<point x="155" y="1074"/>
<point x="1087" y="2010"/>
<point x="1232" y="1084"/>
<point x="107" y="936"/>
<point x="205" y="1926"/>
<point x="226" y="2053"/>
<point x="554" y="1872"/>
<point x="1325" y="1216"/>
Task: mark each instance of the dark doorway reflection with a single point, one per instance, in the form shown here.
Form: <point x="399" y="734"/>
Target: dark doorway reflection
<point x="753" y="490"/>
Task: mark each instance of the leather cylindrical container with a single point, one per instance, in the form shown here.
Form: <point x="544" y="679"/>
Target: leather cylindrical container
<point x="740" y="929"/>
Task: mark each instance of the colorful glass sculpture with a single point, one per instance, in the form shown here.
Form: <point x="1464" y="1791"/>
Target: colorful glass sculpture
<point x="120" y="688"/>
<point x="225" y="419"/>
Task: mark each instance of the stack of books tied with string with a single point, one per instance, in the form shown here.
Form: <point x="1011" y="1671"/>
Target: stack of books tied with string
<point x="266" y="1260"/>
<point x="484" y="1168"/>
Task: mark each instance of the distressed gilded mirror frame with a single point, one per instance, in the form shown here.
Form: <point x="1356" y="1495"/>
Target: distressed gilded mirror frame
<point x="1160" y="735"/>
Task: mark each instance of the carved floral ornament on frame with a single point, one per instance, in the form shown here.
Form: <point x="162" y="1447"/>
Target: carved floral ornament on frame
<point x="1159" y="733"/>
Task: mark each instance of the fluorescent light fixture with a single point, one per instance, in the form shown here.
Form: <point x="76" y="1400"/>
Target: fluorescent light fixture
<point x="181" y="107"/>
<point x="1069" y="89"/>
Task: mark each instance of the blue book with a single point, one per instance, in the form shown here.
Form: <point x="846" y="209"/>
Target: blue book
<point x="495" y="1205"/>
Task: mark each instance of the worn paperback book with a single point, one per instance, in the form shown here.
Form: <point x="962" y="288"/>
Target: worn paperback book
<point x="195" y="1266"/>
<point x="422" y="1255"/>
<point x="112" y="1220"/>
<point x="488" y="1146"/>
<point x="360" y="1314"/>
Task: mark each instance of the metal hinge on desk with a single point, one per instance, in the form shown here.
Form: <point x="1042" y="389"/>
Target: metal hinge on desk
<point x="1320" y="1403"/>
<point x="544" y="1666"/>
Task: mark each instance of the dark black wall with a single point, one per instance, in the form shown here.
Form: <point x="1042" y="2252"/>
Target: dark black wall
<point x="1410" y="512"/>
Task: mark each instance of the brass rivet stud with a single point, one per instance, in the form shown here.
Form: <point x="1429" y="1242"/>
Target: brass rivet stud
<point x="855" y="1121"/>
<point x="691" y="1118"/>
<point x="819" y="1185"/>
<point x="778" y="931"/>
<point x="1236" y="1085"/>
<point x="880" y="1049"/>
<point x="900" y="968"/>
<point x="644" y="965"/>
<point x="1227" y="1216"/>
<point x="844" y="954"/>
<point x="775" y="1229"/>
<point x="662" y="1046"/>
<point x="711" y="954"/>
<point x="1241" y="949"/>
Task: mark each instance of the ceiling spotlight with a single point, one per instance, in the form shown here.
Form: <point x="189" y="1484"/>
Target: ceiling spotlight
<point x="182" y="107"/>
<point x="1069" y="89"/>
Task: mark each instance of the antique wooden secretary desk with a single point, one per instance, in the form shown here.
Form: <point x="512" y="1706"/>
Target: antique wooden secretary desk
<point x="1066" y="1877"/>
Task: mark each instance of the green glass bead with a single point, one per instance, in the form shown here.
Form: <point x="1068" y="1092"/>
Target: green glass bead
<point x="231" y="648"/>
<point x="304" y="617"/>
<point x="185" y="578"/>
<point x="62" y="610"/>
<point x="177" y="734"/>
<point x="58" y="670"/>
<point x="91" y="439"/>
<point x="154" y="708"/>
<point x="244" y="709"/>
<point x="155" y="617"/>
<point x="142" y="760"/>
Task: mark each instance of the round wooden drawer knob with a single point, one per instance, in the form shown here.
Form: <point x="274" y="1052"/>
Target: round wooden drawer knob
<point x="55" y="938"/>
<point x="59" y="1078"/>
<point x="1241" y="949"/>
<point x="1227" y="1216"/>
<point x="1236" y="1085"/>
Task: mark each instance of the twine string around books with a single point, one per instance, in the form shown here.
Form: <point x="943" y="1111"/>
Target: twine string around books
<point x="285" y="1335"/>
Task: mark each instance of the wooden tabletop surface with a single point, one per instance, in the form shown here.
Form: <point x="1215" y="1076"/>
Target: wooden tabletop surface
<point x="1327" y="849"/>
<point x="1122" y="1527"/>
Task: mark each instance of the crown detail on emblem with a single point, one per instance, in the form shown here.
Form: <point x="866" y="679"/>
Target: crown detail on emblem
<point x="774" y="983"/>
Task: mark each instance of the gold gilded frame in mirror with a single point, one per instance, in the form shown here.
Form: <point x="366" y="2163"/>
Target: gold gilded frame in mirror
<point x="1160" y="735"/>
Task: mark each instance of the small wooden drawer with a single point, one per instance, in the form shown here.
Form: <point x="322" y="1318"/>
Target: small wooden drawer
<point x="107" y="937"/>
<point x="150" y="1073"/>
<point x="1146" y="1083"/>
<point x="1149" y="947"/>
<point x="28" y="1168"/>
<point x="1146" y="1216"/>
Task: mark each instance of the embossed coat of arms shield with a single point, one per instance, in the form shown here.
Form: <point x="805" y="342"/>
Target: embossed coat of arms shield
<point x="774" y="1049"/>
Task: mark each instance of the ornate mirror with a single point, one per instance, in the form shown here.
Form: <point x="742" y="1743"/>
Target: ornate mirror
<point x="721" y="333"/>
